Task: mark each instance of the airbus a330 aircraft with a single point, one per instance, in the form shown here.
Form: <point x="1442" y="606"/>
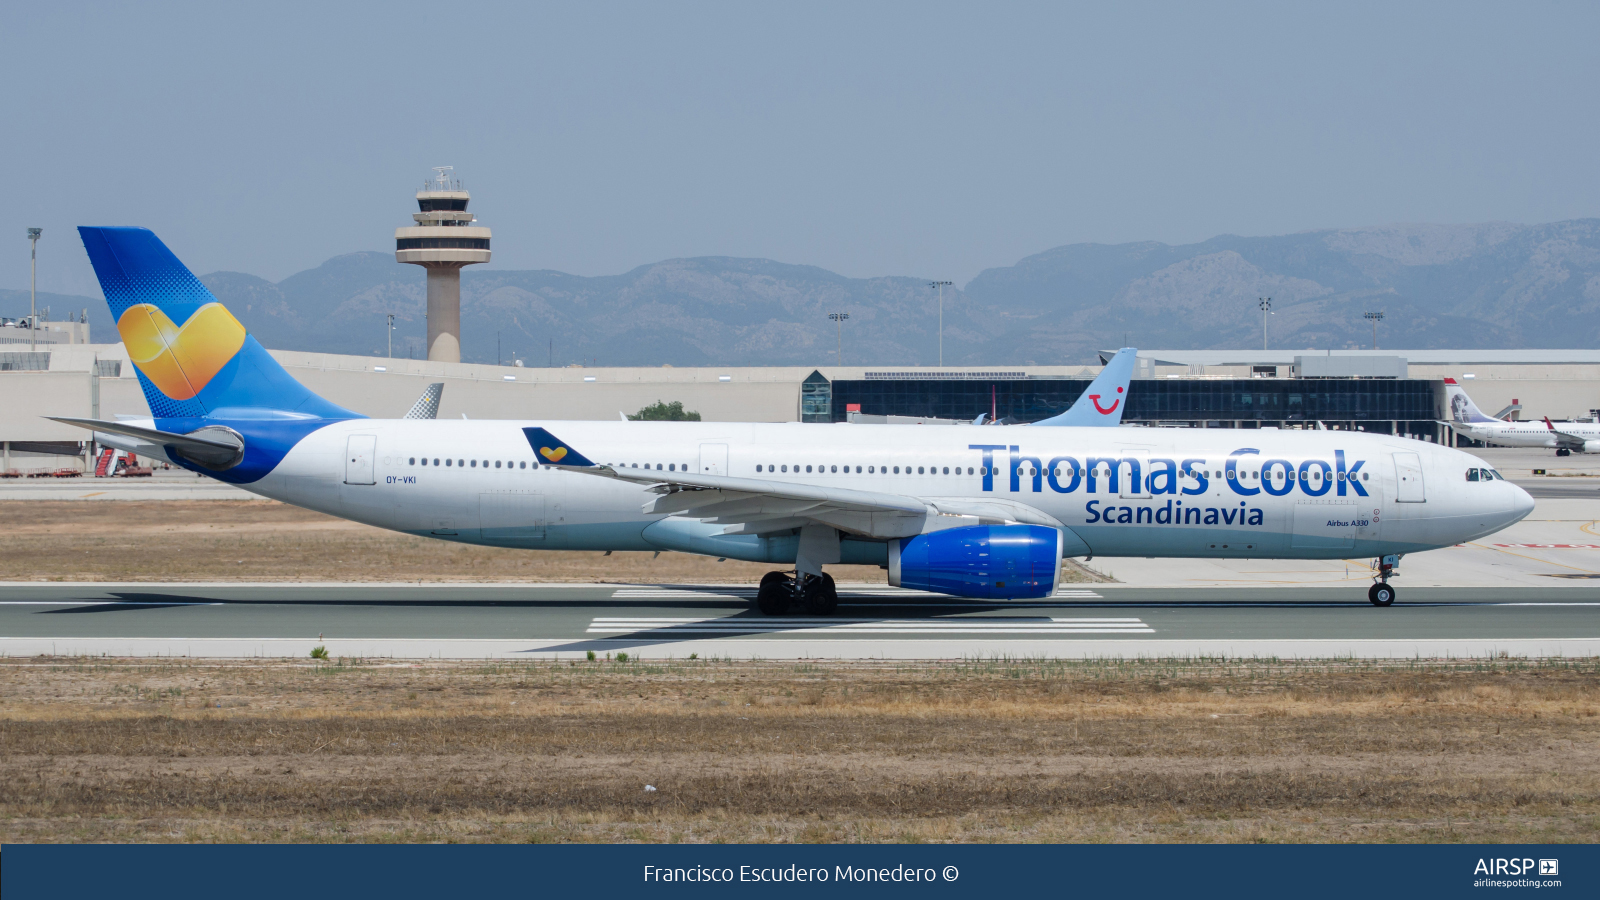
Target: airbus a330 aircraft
<point x="968" y="511"/>
<point x="1565" y="438"/>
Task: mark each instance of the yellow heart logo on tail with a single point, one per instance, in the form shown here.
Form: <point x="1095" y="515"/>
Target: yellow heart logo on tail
<point x="553" y="455"/>
<point x="180" y="361"/>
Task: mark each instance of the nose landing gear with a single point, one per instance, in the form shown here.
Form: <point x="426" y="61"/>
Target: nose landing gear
<point x="1381" y="593"/>
<point x="779" y="594"/>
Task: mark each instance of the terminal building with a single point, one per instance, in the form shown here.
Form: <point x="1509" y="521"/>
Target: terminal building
<point x="1392" y="392"/>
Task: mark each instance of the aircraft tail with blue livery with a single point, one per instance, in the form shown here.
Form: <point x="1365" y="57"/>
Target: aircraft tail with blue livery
<point x="219" y="402"/>
<point x="1102" y="402"/>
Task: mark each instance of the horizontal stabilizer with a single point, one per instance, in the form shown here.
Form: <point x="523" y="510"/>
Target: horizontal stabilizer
<point x="213" y="447"/>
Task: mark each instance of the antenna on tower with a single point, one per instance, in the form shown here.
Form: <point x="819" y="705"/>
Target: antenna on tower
<point x="443" y="179"/>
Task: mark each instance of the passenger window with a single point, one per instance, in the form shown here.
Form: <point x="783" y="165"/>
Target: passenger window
<point x="833" y="469"/>
<point x="413" y="461"/>
<point x="497" y="464"/>
<point x="897" y="470"/>
<point x="872" y="470"/>
<point x="758" y="468"/>
<point x="858" y="470"/>
<point x="919" y="470"/>
<point x="522" y="465"/>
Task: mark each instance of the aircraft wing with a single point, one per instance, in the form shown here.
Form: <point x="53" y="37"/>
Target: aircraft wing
<point x="759" y="506"/>
<point x="1564" y="440"/>
<point x="762" y="506"/>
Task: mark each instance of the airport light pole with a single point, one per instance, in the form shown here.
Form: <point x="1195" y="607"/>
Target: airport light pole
<point x="1266" y="310"/>
<point x="391" y="335"/>
<point x="1374" y="318"/>
<point x="940" y="286"/>
<point x="838" y="360"/>
<point x="33" y="289"/>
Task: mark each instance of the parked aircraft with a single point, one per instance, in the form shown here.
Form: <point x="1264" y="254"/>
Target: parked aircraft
<point x="1564" y="437"/>
<point x="963" y="510"/>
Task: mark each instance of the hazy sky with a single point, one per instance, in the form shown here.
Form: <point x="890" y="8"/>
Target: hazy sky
<point x="866" y="138"/>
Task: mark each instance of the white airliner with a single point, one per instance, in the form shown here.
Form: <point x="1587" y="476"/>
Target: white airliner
<point x="1565" y="438"/>
<point x="969" y="511"/>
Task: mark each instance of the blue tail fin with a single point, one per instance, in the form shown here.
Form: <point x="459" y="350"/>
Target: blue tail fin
<point x="195" y="360"/>
<point x="1104" y="400"/>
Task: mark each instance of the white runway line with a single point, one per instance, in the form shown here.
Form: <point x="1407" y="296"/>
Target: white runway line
<point x="812" y="648"/>
<point x="987" y="625"/>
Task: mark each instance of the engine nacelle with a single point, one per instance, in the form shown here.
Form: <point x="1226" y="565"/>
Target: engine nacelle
<point x="1591" y="446"/>
<point x="989" y="562"/>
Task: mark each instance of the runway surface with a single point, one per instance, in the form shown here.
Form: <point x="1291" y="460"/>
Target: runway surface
<point x="655" y="621"/>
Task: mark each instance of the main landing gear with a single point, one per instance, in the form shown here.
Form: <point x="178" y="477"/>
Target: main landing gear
<point x="1382" y="593"/>
<point x="780" y="594"/>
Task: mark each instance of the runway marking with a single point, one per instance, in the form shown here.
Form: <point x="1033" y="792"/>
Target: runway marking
<point x="1553" y="546"/>
<point x="985" y="625"/>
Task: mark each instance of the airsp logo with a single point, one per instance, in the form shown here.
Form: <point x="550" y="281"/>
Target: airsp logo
<point x="1524" y="866"/>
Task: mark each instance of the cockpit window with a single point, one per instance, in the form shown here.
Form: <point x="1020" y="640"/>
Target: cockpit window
<point x="1472" y="474"/>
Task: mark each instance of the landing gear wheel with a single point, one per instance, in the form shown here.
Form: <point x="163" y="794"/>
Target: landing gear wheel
<point x="772" y="599"/>
<point x="1381" y="594"/>
<point x="1563" y="452"/>
<point x="819" y="596"/>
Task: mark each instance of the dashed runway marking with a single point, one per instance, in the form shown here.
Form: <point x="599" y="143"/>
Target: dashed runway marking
<point x="827" y="626"/>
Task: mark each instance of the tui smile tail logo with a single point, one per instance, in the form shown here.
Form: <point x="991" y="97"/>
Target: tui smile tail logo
<point x="1105" y="410"/>
<point x="555" y="455"/>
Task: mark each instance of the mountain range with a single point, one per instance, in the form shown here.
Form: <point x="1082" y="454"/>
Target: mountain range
<point x="1489" y="285"/>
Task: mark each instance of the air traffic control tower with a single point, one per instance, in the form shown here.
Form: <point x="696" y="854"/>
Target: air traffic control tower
<point x="443" y="241"/>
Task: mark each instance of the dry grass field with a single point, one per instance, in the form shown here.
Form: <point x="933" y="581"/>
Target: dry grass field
<point x="263" y="540"/>
<point x="1003" y="751"/>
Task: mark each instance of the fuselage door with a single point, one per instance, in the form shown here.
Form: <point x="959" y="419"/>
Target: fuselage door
<point x="1135" y="474"/>
<point x="358" y="462"/>
<point x="713" y="459"/>
<point x="1408" y="479"/>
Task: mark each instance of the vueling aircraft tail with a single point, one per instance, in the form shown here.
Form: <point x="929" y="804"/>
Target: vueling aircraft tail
<point x="1104" y="400"/>
<point x="1460" y="407"/>
<point x="194" y="359"/>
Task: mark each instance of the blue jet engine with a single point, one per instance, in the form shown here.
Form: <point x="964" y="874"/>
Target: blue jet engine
<point x="988" y="562"/>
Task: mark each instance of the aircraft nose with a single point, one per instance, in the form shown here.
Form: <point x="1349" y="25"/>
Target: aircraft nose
<point x="1521" y="503"/>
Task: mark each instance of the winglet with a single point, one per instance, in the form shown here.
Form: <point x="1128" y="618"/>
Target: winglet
<point x="1547" y="423"/>
<point x="553" y="450"/>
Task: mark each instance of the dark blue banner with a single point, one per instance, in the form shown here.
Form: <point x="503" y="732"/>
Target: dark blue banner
<point x="1166" y="871"/>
